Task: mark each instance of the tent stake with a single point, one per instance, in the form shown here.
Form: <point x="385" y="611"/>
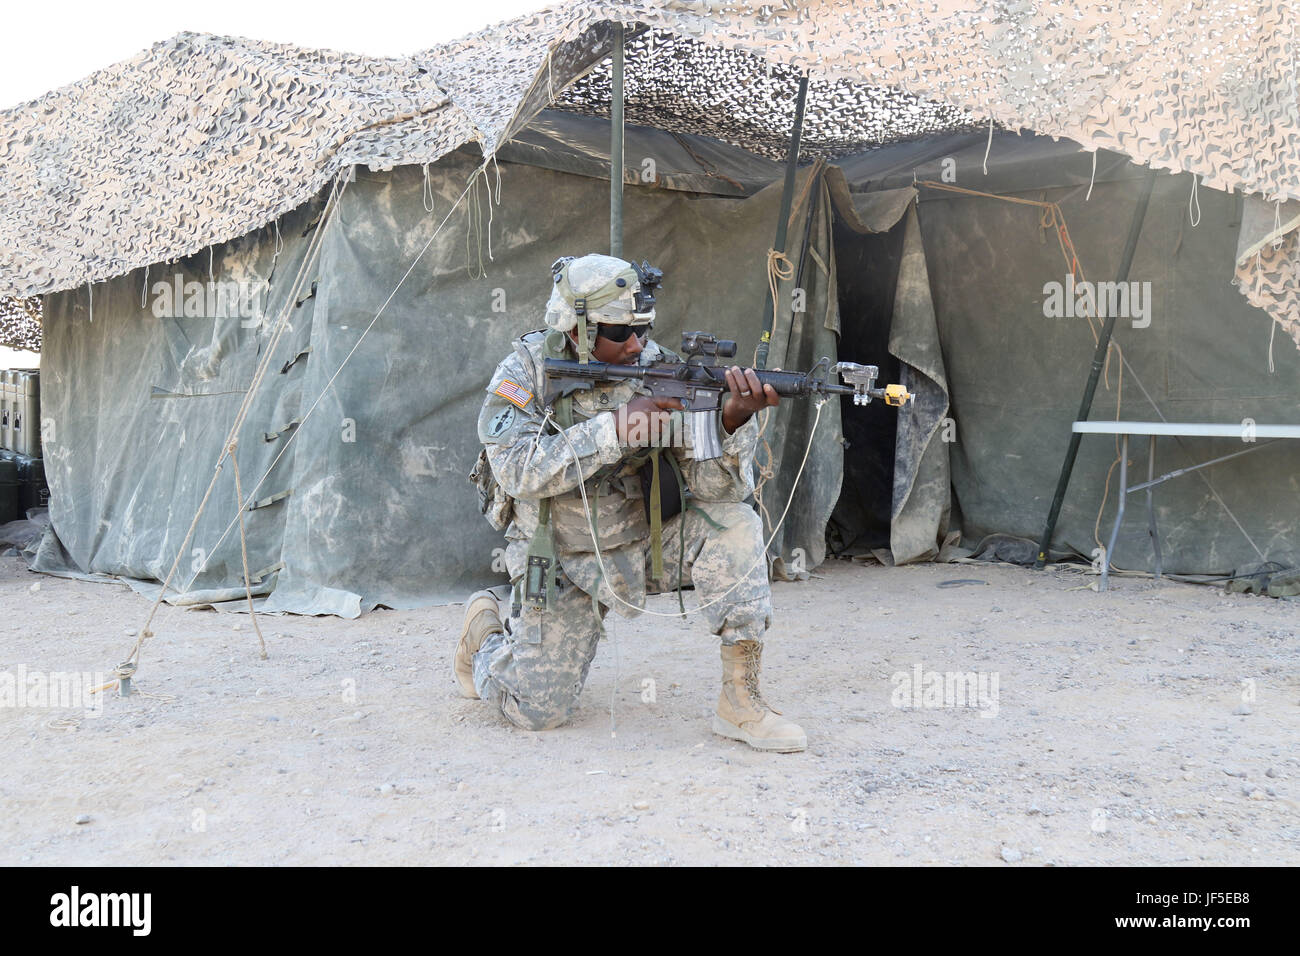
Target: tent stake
<point x="616" y="148"/>
<point x="1098" y="360"/>
<point x="787" y="198"/>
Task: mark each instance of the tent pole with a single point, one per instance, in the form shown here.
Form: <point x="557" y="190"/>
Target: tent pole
<point x="616" y="148"/>
<point x="1098" y="360"/>
<point x="807" y="234"/>
<point x="787" y="198"/>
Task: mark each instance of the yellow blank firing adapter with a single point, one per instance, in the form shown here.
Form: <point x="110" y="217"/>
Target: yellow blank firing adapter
<point x="896" y="395"/>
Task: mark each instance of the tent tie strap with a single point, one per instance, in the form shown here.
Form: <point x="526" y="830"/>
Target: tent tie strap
<point x="309" y="295"/>
<point x="257" y="577"/>
<point x="284" y="369"/>
<point x="272" y="499"/>
<point x="287" y="426"/>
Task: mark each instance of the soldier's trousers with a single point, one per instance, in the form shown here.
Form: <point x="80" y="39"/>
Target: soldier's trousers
<point x="536" y="671"/>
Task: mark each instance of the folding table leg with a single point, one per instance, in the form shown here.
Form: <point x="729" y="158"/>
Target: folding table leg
<point x="1151" y="510"/>
<point x="1119" y="516"/>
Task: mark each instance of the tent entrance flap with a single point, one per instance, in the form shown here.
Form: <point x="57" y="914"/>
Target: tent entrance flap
<point x="896" y="498"/>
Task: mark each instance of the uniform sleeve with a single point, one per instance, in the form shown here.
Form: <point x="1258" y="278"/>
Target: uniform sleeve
<point x="730" y="477"/>
<point x="529" y="464"/>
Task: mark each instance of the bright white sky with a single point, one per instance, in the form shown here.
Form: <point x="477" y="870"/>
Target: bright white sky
<point x="52" y="44"/>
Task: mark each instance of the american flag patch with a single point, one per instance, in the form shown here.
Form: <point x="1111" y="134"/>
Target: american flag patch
<point x="513" y="393"/>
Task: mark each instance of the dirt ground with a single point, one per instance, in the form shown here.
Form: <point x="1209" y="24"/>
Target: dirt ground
<point x="1152" y="724"/>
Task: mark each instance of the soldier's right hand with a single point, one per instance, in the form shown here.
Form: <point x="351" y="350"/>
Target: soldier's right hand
<point x="644" y="415"/>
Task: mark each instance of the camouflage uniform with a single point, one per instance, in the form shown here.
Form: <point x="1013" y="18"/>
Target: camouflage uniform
<point x="535" y="671"/>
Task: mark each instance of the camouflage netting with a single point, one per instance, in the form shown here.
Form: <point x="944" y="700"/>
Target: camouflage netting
<point x="20" y="323"/>
<point x="1268" y="262"/>
<point x="204" y="139"/>
<point x="195" y="141"/>
<point x="677" y="83"/>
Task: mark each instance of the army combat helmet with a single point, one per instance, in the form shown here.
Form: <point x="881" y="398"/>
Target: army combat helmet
<point x="596" y="288"/>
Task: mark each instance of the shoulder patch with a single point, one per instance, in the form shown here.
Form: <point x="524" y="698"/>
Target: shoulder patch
<point x="501" y="422"/>
<point x="514" y="393"/>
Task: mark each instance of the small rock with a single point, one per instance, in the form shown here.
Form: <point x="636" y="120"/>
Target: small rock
<point x="1189" y="776"/>
<point x="1033" y="811"/>
<point x="1259" y="795"/>
<point x="1234" y="772"/>
<point x="237" y="627"/>
<point x="1241" y="710"/>
<point x="35" y="587"/>
<point x="82" y="819"/>
<point x="130" y="631"/>
<point x="641" y="805"/>
<point x="1270" y="772"/>
<point x="1011" y="855"/>
<point x="385" y="788"/>
<point x="1152" y="820"/>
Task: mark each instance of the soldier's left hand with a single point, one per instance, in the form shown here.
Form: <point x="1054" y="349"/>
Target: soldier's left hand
<point x="745" y="397"/>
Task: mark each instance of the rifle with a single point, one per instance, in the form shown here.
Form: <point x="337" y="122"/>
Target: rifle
<point x="699" y="387"/>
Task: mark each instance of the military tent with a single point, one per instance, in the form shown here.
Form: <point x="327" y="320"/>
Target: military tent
<point x="384" y="228"/>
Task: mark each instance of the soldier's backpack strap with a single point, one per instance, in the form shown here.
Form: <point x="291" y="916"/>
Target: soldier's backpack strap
<point x="656" y="520"/>
<point x="553" y="347"/>
<point x="541" y="568"/>
<point x="541" y="575"/>
<point x="684" y="495"/>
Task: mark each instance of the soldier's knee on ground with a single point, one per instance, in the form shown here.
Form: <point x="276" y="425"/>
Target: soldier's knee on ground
<point x="535" y="671"/>
<point x="531" y="716"/>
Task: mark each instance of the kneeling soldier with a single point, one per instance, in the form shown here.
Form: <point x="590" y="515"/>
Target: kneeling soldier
<point x="534" y="667"/>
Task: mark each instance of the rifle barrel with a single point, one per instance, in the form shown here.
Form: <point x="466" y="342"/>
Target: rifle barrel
<point x="708" y="376"/>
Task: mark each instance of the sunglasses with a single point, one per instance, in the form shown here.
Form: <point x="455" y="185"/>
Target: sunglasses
<point x="621" y="333"/>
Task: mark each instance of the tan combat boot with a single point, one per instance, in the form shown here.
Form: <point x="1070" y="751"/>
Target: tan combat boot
<point x="742" y="712"/>
<point x="482" y="617"/>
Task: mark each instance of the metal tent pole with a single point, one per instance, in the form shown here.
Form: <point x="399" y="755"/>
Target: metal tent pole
<point x="616" y="148"/>
<point x="787" y="198"/>
<point x="1098" y="360"/>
